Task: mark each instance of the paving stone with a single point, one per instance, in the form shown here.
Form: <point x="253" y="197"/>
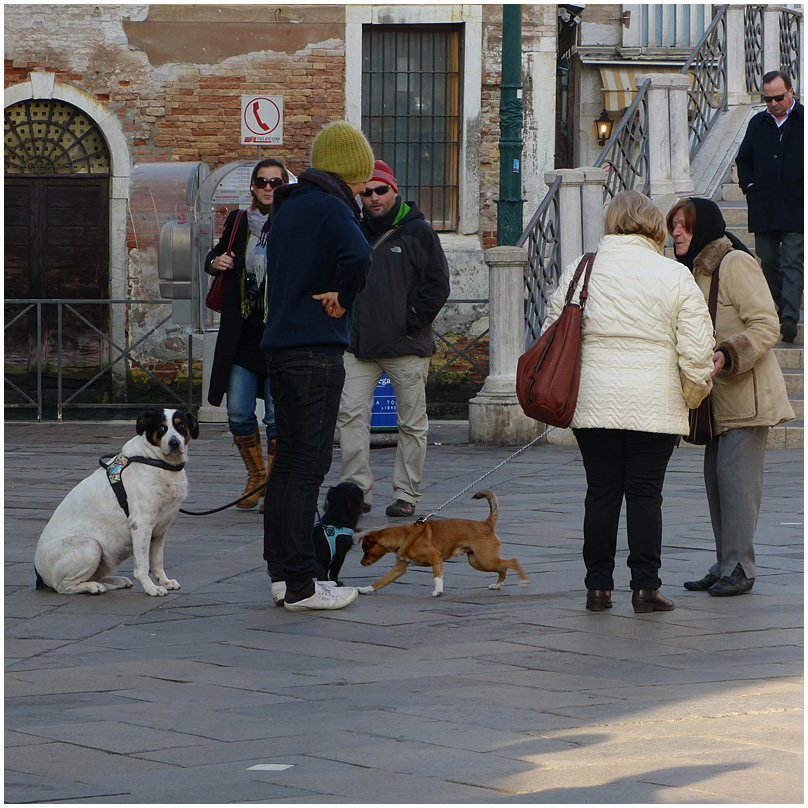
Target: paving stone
<point x="517" y="696"/>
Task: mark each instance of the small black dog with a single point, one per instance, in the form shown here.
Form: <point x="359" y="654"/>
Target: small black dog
<point x="333" y="534"/>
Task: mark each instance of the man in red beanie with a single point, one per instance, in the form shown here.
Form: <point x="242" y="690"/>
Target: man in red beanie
<point x="392" y="333"/>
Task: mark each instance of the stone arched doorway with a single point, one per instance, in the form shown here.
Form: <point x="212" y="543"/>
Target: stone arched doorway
<point x="57" y="175"/>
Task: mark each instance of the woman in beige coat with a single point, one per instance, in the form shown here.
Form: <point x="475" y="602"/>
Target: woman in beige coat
<point x="749" y="394"/>
<point x="645" y="358"/>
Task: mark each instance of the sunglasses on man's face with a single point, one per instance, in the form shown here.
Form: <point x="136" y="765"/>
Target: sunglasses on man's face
<point x="767" y="99"/>
<point x="272" y="182"/>
<point x="379" y="190"/>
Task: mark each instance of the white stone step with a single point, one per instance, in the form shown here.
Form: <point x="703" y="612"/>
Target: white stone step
<point x="732" y="193"/>
<point x="795" y="382"/>
<point x="790" y="356"/>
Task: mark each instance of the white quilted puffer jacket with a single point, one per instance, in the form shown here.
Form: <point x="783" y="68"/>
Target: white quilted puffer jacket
<point x="645" y="322"/>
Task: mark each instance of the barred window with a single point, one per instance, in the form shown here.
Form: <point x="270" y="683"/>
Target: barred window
<point x="411" y="94"/>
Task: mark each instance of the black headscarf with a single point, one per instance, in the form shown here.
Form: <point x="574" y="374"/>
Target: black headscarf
<point x="708" y="227"/>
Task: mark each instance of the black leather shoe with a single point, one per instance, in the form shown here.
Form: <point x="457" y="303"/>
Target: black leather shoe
<point x="400" y="508"/>
<point x="703" y="584"/>
<point x="649" y="600"/>
<point x="735" y="584"/>
<point x="788" y="328"/>
<point x="598" y="599"/>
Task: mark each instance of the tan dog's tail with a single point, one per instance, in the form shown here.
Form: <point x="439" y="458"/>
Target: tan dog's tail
<point x="493" y="504"/>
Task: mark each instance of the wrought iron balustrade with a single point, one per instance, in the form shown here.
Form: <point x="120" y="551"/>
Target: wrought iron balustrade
<point x="753" y="47"/>
<point x="542" y="270"/>
<point x="625" y="156"/>
<point x="707" y="95"/>
<point x="790" y="32"/>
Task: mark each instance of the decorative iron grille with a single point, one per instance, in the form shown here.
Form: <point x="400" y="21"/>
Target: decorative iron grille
<point x="790" y="45"/>
<point x="52" y="137"/>
<point x="707" y="95"/>
<point x="542" y="269"/>
<point x="625" y="156"/>
<point x="753" y="47"/>
<point x="411" y="93"/>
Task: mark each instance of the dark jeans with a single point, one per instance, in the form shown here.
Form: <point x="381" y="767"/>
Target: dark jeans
<point x="306" y="387"/>
<point x="622" y="463"/>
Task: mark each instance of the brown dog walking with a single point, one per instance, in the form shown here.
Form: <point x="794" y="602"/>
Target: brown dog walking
<point x="431" y="543"/>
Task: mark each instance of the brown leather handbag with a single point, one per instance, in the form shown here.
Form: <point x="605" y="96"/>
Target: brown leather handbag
<point x="215" y="297"/>
<point x="548" y="374"/>
<point x="700" y="419"/>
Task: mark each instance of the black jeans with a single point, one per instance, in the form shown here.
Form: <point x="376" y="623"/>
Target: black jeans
<point x="306" y="387"/>
<point x="622" y="463"/>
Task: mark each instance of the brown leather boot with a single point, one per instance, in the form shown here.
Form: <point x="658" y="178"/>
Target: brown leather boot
<point x="250" y="448"/>
<point x="270" y="460"/>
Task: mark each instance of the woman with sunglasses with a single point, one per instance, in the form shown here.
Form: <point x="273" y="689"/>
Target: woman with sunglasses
<point x="239" y="366"/>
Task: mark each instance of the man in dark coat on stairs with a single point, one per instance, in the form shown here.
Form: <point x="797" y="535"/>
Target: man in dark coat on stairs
<point x="770" y="172"/>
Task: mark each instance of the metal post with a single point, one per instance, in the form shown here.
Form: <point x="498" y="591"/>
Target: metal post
<point x="509" y="206"/>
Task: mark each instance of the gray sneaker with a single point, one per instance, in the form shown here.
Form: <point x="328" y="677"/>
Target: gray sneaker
<point x="326" y="596"/>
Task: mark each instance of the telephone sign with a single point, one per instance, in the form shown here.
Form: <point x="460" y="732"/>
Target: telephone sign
<point x="262" y="119"/>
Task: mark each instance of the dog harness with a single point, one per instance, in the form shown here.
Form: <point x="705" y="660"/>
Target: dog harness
<point x="115" y="469"/>
<point x="331" y="534"/>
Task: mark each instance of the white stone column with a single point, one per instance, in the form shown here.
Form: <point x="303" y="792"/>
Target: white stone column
<point x="771" y="39"/>
<point x="736" y="57"/>
<point x="569" y="212"/>
<point x="680" y="134"/>
<point x="659" y="140"/>
<point x="592" y="209"/>
<point x="495" y="417"/>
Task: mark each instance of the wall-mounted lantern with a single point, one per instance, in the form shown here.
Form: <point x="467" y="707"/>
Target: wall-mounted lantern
<point x="603" y="126"/>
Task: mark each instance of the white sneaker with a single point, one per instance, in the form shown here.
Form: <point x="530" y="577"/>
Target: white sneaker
<point x="325" y="597"/>
<point x="278" y="590"/>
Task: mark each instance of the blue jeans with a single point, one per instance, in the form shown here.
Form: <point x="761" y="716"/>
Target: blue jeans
<point x="306" y="389"/>
<point x="243" y="389"/>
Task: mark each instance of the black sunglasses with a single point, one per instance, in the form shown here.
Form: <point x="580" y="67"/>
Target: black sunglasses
<point x="767" y="99"/>
<point x="379" y="190"/>
<point x="272" y="182"/>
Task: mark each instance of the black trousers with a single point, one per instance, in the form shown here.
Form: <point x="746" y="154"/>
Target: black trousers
<point x="621" y="463"/>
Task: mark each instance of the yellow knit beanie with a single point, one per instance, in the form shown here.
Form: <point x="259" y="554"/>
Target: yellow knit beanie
<point x="341" y="149"/>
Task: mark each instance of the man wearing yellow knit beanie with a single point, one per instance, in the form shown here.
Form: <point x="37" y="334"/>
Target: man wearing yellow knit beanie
<point x="317" y="264"/>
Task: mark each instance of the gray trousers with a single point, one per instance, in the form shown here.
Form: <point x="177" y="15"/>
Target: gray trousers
<point x="733" y="476"/>
<point x="408" y="375"/>
<point x="781" y="255"/>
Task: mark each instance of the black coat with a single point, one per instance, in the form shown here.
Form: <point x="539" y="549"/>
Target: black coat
<point x="770" y="172"/>
<point x="406" y="289"/>
<point x="238" y="338"/>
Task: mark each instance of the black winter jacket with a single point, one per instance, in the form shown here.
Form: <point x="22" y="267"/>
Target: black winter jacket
<point x="770" y="172"/>
<point x="407" y="287"/>
<point x="238" y="341"/>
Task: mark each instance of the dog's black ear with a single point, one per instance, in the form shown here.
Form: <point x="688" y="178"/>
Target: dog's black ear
<point x="145" y="420"/>
<point x="193" y="425"/>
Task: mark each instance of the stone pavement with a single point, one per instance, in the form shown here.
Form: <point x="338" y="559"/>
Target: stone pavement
<point x="212" y="695"/>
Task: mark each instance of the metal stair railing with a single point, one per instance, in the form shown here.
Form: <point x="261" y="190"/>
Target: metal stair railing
<point x="542" y="269"/>
<point x="790" y="43"/>
<point x="707" y="96"/>
<point x="625" y="156"/>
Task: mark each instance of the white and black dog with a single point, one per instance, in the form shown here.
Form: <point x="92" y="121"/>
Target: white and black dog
<point x="120" y="511"/>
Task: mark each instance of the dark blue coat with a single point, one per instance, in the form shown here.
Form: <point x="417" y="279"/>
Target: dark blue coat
<point x="770" y="172"/>
<point x="315" y="246"/>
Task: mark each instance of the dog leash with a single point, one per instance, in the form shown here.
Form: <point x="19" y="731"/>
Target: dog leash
<point x="491" y="471"/>
<point x="118" y="463"/>
<point x="224" y="507"/>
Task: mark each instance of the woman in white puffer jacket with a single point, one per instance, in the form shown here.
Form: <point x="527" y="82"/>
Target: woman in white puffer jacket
<point x="646" y="358"/>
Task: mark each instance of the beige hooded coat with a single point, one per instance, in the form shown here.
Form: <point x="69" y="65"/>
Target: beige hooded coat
<point x="752" y="392"/>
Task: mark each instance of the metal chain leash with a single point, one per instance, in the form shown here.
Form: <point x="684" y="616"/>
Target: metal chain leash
<point x="491" y="471"/>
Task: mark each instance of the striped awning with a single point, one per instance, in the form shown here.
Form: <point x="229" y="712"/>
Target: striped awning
<point x="620" y="82"/>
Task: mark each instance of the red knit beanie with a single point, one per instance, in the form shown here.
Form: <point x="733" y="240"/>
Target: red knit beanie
<point x="383" y="173"/>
